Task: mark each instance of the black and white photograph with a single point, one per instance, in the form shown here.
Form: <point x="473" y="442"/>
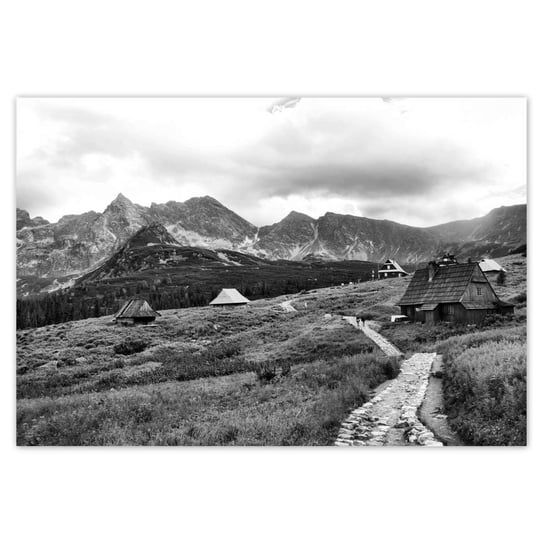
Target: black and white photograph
<point x="271" y="271"/>
<point x="271" y="280"/>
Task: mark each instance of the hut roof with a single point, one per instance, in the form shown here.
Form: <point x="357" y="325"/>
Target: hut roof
<point x="489" y="265"/>
<point x="229" y="296"/>
<point x="136" y="307"/>
<point x="396" y="266"/>
<point x="448" y="285"/>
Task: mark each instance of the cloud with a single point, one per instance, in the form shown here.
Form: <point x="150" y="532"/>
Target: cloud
<point x="415" y="160"/>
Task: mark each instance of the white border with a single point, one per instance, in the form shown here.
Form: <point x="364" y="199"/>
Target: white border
<point x="273" y="48"/>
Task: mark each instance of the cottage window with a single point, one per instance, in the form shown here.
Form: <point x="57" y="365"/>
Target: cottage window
<point x="479" y="291"/>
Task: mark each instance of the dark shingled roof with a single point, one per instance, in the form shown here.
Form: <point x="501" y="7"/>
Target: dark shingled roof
<point x="448" y="285"/>
<point x="136" y="307"/>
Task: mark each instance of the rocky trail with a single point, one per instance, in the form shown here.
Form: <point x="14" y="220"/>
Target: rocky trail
<point x="387" y="347"/>
<point x="391" y="417"/>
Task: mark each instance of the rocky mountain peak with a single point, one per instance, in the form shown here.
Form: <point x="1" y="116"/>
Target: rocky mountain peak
<point x="152" y="234"/>
<point x="121" y="199"/>
<point x="23" y="220"/>
<point x="120" y="204"/>
<point x="294" y="215"/>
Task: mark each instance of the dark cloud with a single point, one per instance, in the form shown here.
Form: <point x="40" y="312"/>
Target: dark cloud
<point x="335" y="155"/>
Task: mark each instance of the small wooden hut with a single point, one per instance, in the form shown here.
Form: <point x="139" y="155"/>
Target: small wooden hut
<point x="136" y="311"/>
<point x="229" y="298"/>
<point x="391" y="269"/>
<point x="458" y="293"/>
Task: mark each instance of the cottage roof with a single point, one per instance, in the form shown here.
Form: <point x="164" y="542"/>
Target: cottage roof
<point x="489" y="265"/>
<point x="136" y="307"/>
<point x="396" y="266"/>
<point x="448" y="285"/>
<point x="229" y="296"/>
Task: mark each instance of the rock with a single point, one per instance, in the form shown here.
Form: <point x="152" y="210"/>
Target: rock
<point x="425" y="436"/>
<point x="53" y="365"/>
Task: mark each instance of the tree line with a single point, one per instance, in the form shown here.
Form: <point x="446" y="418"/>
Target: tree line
<point x="96" y="301"/>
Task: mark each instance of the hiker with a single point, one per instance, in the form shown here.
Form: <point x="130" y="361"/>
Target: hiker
<point x="363" y="321"/>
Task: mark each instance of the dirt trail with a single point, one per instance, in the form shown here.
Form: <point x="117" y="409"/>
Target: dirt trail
<point x="287" y="306"/>
<point x="390" y="418"/>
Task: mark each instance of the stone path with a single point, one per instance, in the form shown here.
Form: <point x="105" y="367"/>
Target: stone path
<point x="390" y="418"/>
<point x="386" y="346"/>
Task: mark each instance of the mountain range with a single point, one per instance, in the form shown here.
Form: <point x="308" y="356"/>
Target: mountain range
<point x="78" y="244"/>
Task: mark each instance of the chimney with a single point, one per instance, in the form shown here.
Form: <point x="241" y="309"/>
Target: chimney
<point x="431" y="270"/>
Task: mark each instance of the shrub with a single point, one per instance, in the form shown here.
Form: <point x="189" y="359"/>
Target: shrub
<point x="485" y="391"/>
<point x="267" y="372"/>
<point x="130" y="346"/>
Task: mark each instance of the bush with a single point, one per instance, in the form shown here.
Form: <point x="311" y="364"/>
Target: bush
<point x="128" y="347"/>
<point x="268" y="372"/>
<point x="485" y="391"/>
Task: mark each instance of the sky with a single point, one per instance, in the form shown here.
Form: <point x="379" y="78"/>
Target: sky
<point x="417" y="161"/>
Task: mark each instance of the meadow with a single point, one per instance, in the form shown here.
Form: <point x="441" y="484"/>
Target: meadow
<point x="257" y="375"/>
<point x="485" y="386"/>
<point x="254" y="375"/>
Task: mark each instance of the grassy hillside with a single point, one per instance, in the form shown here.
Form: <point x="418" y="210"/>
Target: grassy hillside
<point x="250" y="375"/>
<point x="258" y="375"/>
<point x="194" y="281"/>
<point x="485" y="386"/>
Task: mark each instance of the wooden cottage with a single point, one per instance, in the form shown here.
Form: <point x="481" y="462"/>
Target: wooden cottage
<point x="229" y="297"/>
<point x="136" y="311"/>
<point x="458" y="293"/>
<point x="391" y="269"/>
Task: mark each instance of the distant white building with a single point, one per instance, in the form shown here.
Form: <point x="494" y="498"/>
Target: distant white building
<point x="391" y="269"/>
<point x="491" y="268"/>
<point x="229" y="297"/>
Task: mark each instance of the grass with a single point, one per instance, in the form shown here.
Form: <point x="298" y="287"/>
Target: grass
<point x="257" y="375"/>
<point x="304" y="407"/>
<point x="254" y="375"/>
<point x="485" y="386"/>
<point x="93" y="355"/>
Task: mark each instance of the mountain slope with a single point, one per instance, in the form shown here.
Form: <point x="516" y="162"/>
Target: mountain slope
<point x="79" y="243"/>
<point x="504" y="225"/>
<point x="287" y="239"/>
<point x="203" y="222"/>
<point x="154" y="249"/>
